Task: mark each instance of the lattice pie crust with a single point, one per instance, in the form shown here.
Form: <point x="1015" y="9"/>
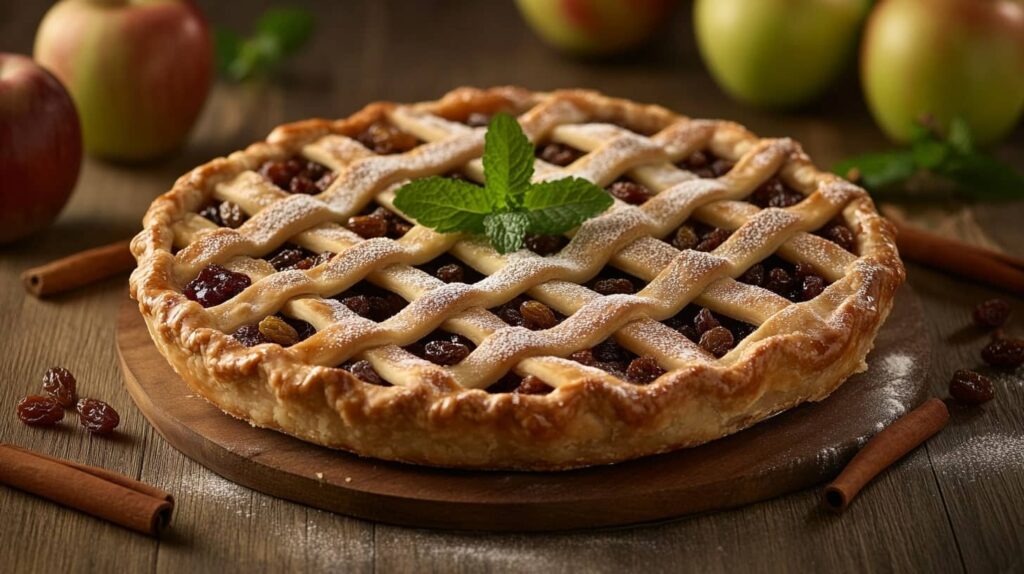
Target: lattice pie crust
<point x="445" y="415"/>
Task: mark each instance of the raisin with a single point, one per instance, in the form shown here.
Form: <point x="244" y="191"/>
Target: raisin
<point x="368" y="226"/>
<point x="685" y="238"/>
<point x="614" y="286"/>
<point x="451" y="273"/>
<point x="287" y="258"/>
<point x="712" y="239"/>
<point x="279" y="172"/>
<point x="705" y="321"/>
<point x="250" y="335"/>
<point x="304" y="329"/>
<point x="322" y="258"/>
<point x="511" y="316"/>
<point x="359" y="304"/>
<point x="754" y="275"/>
<point x="325" y="181"/>
<point x="584" y="357"/>
<point x="609" y="352"/>
<point x="841" y="236"/>
<point x="991" y="313"/>
<point x="558" y="154"/>
<point x="531" y="385"/>
<point x="365" y="372"/>
<point x="813" y="286"/>
<point x="1006" y="353"/>
<point x="721" y="167"/>
<point x="630" y="192"/>
<point x="39" y="411"/>
<point x="802" y="270"/>
<point x="773" y="193"/>
<point x="231" y="214"/>
<point x="643" y="370"/>
<point x="717" y="341"/>
<point x="384" y="139"/>
<point x="212" y="212"/>
<point x="215" y="285"/>
<point x="303" y="185"/>
<point x="780" y="282"/>
<point x="545" y="244"/>
<point x="690" y="332"/>
<point x="970" y="387"/>
<point x="97" y="416"/>
<point x="445" y="352"/>
<point x="60" y="384"/>
<point x="276" y="330"/>
<point x="697" y="159"/>
<point x="537" y="316"/>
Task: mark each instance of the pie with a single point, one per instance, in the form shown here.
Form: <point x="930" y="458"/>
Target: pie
<point x="730" y="281"/>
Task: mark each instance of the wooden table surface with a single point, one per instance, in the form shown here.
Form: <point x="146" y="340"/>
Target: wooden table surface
<point x="954" y="505"/>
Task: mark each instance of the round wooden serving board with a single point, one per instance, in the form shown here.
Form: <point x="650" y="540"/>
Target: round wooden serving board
<point x="794" y="450"/>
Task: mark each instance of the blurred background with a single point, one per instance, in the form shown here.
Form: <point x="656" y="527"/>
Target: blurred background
<point x="799" y="68"/>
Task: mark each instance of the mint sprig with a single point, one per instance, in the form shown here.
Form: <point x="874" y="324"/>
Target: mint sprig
<point x="509" y="205"/>
<point x="935" y="167"/>
<point x="280" y="33"/>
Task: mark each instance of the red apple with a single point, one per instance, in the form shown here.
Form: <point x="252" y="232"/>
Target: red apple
<point x="40" y="147"/>
<point x="946" y="59"/>
<point x="595" y="26"/>
<point x="139" y="70"/>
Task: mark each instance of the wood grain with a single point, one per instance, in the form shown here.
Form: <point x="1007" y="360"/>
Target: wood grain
<point x="954" y="506"/>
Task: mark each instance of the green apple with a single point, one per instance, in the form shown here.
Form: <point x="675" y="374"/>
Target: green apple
<point x="945" y="58"/>
<point x="138" y="70"/>
<point x="595" y="26"/>
<point x="777" y="53"/>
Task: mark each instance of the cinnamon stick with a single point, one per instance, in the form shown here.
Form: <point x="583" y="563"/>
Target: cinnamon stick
<point x="885" y="448"/>
<point x="93" y="490"/>
<point x="996" y="269"/>
<point x="79" y="269"/>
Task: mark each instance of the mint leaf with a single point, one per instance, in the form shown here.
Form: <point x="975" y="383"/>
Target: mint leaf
<point x="508" y="160"/>
<point x="879" y="170"/>
<point x="289" y="28"/>
<point x="560" y="205"/>
<point x="226" y="46"/>
<point x="936" y="167"/>
<point x="506" y="230"/>
<point x="983" y="177"/>
<point x="445" y="205"/>
<point x="280" y="32"/>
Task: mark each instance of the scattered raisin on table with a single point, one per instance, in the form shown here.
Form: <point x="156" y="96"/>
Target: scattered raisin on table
<point x="970" y="387"/>
<point x="36" y="410"/>
<point x="60" y="384"/>
<point x="97" y="416"/>
<point x="991" y="313"/>
<point x="1006" y="353"/>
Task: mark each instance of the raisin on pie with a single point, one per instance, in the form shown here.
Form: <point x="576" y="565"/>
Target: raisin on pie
<point x="731" y="280"/>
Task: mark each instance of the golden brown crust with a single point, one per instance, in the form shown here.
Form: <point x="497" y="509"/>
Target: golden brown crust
<point x="800" y="352"/>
